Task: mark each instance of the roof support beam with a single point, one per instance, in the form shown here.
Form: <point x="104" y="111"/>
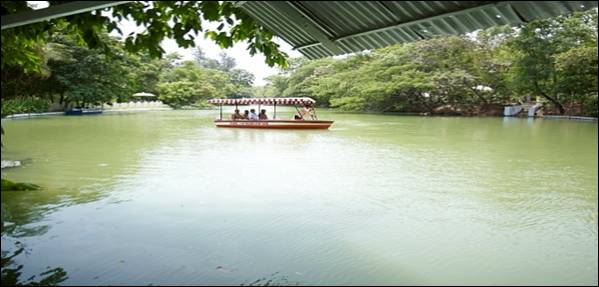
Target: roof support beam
<point x="309" y="24"/>
<point x="55" y="11"/>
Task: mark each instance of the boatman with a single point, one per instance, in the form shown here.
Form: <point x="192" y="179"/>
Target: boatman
<point x="307" y="110"/>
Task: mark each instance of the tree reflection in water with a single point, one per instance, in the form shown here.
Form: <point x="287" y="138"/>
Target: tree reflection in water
<point x="11" y="272"/>
<point x="272" y="280"/>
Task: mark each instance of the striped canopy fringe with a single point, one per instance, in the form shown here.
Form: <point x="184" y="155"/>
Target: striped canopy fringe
<point x="263" y="101"/>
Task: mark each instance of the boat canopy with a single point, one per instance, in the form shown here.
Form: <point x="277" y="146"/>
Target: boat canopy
<point x="263" y="101"/>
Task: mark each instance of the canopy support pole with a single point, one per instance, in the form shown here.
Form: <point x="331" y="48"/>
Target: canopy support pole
<point x="221" y="112"/>
<point x="274" y="117"/>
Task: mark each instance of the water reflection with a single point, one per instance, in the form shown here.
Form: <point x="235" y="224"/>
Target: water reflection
<point x="12" y="272"/>
<point x="21" y="215"/>
<point x="274" y="279"/>
<point x="23" y="208"/>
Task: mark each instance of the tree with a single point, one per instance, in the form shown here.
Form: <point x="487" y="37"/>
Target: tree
<point x="225" y="62"/>
<point x="214" y="83"/>
<point x="275" y="86"/>
<point x="242" y="78"/>
<point x="178" y="20"/>
<point x="203" y="60"/>
<point x="578" y="70"/>
<point x="83" y="75"/>
<point x="183" y="93"/>
<point x="537" y="46"/>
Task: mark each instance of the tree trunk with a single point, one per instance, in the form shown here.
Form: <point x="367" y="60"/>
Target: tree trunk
<point x="559" y="105"/>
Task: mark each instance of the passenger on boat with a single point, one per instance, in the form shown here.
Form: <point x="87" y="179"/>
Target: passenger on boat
<point x="253" y="115"/>
<point x="236" y="115"/>
<point x="246" y="115"/>
<point x="262" y="115"/>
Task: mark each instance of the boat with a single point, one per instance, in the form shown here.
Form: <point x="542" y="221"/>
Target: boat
<point x="78" y="111"/>
<point x="299" y="123"/>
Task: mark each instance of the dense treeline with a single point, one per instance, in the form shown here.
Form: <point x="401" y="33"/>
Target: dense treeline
<point x="552" y="60"/>
<point x="72" y="60"/>
<point x="74" y="75"/>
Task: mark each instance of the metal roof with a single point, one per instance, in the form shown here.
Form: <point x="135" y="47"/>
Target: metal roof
<point x="325" y="28"/>
<point x="55" y="11"/>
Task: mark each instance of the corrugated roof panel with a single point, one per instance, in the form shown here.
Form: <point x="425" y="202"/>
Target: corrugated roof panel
<point x="324" y="28"/>
<point x="389" y="37"/>
<point x="371" y="41"/>
<point x="376" y="12"/>
<point x="395" y="34"/>
<point x="341" y="12"/>
<point x="322" y="51"/>
<point x="364" y="43"/>
<point x="507" y="13"/>
<point x="306" y="52"/>
<point x="531" y="10"/>
<point x="457" y="24"/>
<point x="401" y="13"/>
<point x="472" y="22"/>
<point x="285" y="35"/>
<point x="384" y="12"/>
<point x="360" y="44"/>
<point x="295" y="29"/>
<point x="358" y="16"/>
<point x="346" y="49"/>
<point x="447" y="27"/>
<point x="353" y="45"/>
<point x="270" y="18"/>
<point x="409" y="32"/>
<point x="333" y="12"/>
<point x="414" y="9"/>
<point x="426" y="7"/>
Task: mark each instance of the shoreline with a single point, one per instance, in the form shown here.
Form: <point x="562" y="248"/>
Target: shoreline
<point x="552" y="117"/>
<point x="34" y="115"/>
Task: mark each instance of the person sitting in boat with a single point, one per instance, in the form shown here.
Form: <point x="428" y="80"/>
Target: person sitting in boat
<point x="262" y="115"/>
<point x="246" y="115"/>
<point x="236" y="115"/>
<point x="253" y="115"/>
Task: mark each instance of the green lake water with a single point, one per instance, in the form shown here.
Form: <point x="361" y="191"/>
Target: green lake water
<point x="165" y="198"/>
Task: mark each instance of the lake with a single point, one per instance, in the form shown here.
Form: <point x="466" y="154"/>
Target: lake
<point x="165" y="198"/>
